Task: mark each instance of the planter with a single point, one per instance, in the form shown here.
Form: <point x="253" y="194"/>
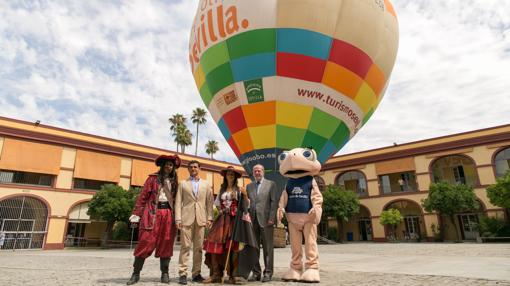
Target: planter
<point x="279" y="237"/>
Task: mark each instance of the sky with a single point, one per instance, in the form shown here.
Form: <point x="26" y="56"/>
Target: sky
<point x="120" y="69"/>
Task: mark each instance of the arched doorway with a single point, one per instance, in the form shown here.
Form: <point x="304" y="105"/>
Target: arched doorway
<point x="23" y="221"/>
<point x="466" y="222"/>
<point x="412" y="226"/>
<point x="359" y="226"/>
<point x="83" y="230"/>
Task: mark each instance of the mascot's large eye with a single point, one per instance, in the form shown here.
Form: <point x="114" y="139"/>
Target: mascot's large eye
<point x="308" y="155"/>
<point x="282" y="157"/>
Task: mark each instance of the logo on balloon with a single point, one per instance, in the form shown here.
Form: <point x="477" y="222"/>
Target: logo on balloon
<point x="254" y="90"/>
<point x="230" y="97"/>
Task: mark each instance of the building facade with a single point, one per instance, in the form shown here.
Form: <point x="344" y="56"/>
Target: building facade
<point x="48" y="175"/>
<point x="399" y="177"/>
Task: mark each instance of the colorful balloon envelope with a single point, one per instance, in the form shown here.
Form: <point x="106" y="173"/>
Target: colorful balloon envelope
<point x="281" y="74"/>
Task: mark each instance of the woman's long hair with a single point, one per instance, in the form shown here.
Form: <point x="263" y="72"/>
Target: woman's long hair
<point x="173" y="176"/>
<point x="224" y="186"/>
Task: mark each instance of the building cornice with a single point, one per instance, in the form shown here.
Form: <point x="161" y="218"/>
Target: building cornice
<point x="389" y="154"/>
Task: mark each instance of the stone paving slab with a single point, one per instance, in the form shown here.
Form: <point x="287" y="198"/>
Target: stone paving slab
<point x="343" y="264"/>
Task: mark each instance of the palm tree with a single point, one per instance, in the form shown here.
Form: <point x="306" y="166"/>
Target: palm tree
<point x="182" y="137"/>
<point x="186" y="139"/>
<point x="198" y="118"/>
<point x="175" y="121"/>
<point x="211" y="147"/>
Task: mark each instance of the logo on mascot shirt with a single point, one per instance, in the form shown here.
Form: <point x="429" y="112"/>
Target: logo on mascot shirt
<point x="297" y="191"/>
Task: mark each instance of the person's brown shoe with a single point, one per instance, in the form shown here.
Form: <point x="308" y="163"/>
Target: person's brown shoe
<point x="212" y="280"/>
<point x="231" y="280"/>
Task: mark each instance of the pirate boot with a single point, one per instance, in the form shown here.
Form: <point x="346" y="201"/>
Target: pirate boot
<point x="137" y="267"/>
<point x="163" y="264"/>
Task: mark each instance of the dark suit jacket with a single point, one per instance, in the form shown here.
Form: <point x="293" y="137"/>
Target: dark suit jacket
<point x="264" y="205"/>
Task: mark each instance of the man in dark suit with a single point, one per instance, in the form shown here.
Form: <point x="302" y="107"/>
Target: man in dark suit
<point x="263" y="205"/>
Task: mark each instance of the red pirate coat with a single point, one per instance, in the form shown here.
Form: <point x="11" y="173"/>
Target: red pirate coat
<point x="147" y="202"/>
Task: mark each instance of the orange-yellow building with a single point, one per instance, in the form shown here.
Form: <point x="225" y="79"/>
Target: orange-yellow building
<point x="48" y="175"/>
<point x="400" y="176"/>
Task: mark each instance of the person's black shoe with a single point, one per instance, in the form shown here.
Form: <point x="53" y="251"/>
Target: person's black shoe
<point x="134" y="279"/>
<point x="165" y="278"/>
<point x="183" y="280"/>
<point x="266" y="278"/>
<point x="254" y="278"/>
<point x="198" y="278"/>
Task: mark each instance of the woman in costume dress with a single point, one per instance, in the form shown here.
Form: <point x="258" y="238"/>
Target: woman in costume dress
<point x="218" y="241"/>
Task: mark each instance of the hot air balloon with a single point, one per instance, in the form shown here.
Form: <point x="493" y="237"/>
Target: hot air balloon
<point x="281" y="74"/>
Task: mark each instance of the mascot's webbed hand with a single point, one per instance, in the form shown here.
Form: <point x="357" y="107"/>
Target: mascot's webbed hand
<point x="279" y="215"/>
<point x="316" y="212"/>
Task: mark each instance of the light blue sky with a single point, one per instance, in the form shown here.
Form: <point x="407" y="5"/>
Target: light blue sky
<point x="119" y="69"/>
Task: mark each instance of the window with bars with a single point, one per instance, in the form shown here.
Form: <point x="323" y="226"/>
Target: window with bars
<point x="89" y="184"/>
<point x="25" y="178"/>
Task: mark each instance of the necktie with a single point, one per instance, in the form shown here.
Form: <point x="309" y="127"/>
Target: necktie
<point x="258" y="187"/>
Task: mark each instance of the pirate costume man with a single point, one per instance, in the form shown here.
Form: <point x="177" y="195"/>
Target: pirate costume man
<point x="154" y="213"/>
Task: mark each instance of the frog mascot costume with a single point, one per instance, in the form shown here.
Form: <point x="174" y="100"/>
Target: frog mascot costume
<point x="301" y="202"/>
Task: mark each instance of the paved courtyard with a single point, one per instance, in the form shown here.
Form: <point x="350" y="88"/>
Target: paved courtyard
<point x="345" y="264"/>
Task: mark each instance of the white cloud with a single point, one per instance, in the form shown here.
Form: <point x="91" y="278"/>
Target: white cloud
<point x="119" y="69"/>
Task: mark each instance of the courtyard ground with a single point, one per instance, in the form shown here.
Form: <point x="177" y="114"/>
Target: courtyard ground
<point x="342" y="264"/>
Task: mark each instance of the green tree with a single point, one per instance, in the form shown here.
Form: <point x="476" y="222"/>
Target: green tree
<point x="198" y="118"/>
<point x="112" y="203"/>
<point x="186" y="139"/>
<point x="176" y="122"/>
<point x="341" y="205"/>
<point x="447" y="200"/>
<point x="182" y="137"/>
<point x="499" y="193"/>
<point x="211" y="147"/>
<point x="392" y="218"/>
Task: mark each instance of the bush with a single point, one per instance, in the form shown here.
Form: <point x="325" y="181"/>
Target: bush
<point x="333" y="234"/>
<point x="493" y="227"/>
<point x="121" y="231"/>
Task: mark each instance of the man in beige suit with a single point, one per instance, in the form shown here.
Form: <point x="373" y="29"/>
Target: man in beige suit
<point x="193" y="212"/>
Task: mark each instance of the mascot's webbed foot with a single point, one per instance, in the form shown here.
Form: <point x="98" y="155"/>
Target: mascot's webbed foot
<point x="291" y="275"/>
<point x="311" y="276"/>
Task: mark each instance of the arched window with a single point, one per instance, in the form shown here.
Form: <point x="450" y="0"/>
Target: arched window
<point x="502" y="162"/>
<point x="353" y="181"/>
<point x="23" y="222"/>
<point x="455" y="169"/>
<point x="320" y="183"/>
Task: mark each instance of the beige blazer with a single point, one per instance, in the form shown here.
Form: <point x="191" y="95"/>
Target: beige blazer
<point x="189" y="208"/>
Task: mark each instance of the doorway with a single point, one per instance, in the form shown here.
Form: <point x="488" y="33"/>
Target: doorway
<point x="469" y="226"/>
<point x="365" y="229"/>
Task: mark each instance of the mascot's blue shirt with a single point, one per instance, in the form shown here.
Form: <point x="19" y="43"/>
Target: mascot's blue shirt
<point x="299" y="191"/>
